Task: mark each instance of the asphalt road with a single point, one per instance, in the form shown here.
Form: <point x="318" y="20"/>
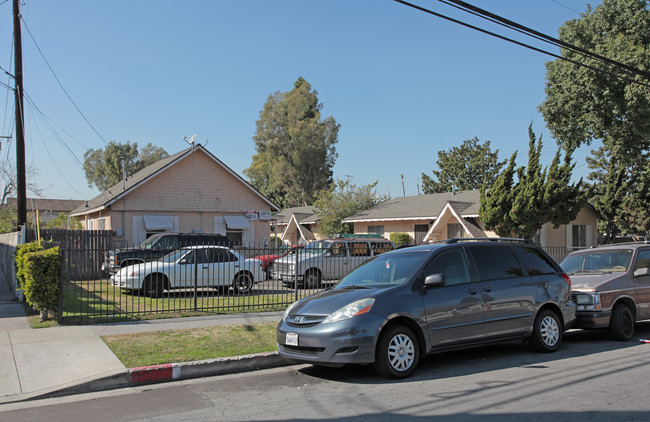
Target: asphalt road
<point x="591" y="378"/>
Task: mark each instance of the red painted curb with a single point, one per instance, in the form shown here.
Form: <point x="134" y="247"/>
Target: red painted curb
<point x="152" y="373"/>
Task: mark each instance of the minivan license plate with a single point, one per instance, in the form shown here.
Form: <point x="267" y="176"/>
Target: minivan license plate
<point x="291" y="339"/>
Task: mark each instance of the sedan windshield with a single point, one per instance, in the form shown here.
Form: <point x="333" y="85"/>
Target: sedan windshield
<point x="384" y="271"/>
<point x="174" y="256"/>
<point x="598" y="261"/>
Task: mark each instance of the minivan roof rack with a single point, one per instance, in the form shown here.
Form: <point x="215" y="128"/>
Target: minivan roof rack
<point x="489" y="239"/>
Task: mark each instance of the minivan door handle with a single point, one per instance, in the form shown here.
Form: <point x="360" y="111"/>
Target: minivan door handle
<point x="486" y="288"/>
<point x="472" y="290"/>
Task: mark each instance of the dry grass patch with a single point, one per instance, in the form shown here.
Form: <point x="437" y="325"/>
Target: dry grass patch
<point x="159" y="347"/>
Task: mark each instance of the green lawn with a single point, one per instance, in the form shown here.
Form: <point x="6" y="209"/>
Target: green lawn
<point x="160" y="347"/>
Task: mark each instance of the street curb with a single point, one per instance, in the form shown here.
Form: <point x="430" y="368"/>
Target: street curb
<point x="134" y="377"/>
<point x="205" y="368"/>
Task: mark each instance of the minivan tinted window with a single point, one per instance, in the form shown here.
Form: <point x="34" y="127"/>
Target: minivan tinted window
<point x="535" y="261"/>
<point x="452" y="265"/>
<point x="494" y="262"/>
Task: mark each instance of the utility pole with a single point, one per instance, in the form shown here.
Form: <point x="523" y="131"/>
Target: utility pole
<point x="21" y="184"/>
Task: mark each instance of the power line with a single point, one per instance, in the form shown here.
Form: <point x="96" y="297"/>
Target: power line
<point x="530" y="47"/>
<point x="60" y="84"/>
<point x="476" y="11"/>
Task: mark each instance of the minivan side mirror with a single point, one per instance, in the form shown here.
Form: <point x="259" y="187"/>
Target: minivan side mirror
<point x="641" y="271"/>
<point x="434" y="280"/>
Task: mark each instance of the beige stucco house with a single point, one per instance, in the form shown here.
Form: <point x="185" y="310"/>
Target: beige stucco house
<point x="456" y="215"/>
<point x="191" y="191"/>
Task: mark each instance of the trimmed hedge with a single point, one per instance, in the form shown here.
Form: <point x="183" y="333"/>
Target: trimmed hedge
<point x="42" y="272"/>
<point x="400" y="239"/>
<point x="21" y="251"/>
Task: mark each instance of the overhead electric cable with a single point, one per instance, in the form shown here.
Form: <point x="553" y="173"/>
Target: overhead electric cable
<point x="539" y="35"/>
<point x="60" y="84"/>
<point x="530" y="47"/>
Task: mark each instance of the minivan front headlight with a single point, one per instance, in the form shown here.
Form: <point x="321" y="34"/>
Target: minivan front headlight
<point x="358" y="307"/>
<point x="289" y="308"/>
<point x="588" y="301"/>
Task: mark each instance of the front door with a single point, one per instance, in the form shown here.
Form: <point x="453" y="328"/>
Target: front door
<point x="454" y="312"/>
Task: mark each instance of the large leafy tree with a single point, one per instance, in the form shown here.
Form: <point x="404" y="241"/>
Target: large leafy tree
<point x="341" y="200"/>
<point x="103" y="167"/>
<point x="621" y="193"/>
<point x="538" y="195"/>
<point x="583" y="105"/>
<point x="295" y="147"/>
<point x="466" y="167"/>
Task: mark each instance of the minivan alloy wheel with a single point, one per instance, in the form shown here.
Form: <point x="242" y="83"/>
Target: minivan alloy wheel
<point x="547" y="331"/>
<point x="550" y="331"/>
<point x="398" y="352"/>
<point x="401" y="352"/>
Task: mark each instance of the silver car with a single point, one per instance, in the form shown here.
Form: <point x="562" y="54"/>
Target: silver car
<point x="200" y="266"/>
<point x="414" y="301"/>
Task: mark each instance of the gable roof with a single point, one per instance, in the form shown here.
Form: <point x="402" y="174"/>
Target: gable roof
<point x="420" y="207"/>
<point x="304" y="215"/>
<point x="43" y="204"/>
<point x="121" y="189"/>
<point x="455" y="210"/>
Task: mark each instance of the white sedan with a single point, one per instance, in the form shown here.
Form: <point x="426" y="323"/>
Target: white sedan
<point x="194" y="266"/>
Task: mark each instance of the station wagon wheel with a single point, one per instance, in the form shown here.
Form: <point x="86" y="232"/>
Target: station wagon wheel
<point x="312" y="279"/>
<point x="621" y="326"/>
<point x="154" y="285"/>
<point x="398" y="352"/>
<point x="547" y="332"/>
<point x="243" y="283"/>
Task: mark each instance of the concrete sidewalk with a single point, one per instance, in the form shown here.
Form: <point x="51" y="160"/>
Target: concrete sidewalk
<point x="49" y="362"/>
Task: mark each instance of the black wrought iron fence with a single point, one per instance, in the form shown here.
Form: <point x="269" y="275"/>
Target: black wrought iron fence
<point x="196" y="278"/>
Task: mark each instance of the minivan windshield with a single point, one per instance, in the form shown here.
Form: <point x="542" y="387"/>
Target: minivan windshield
<point x="383" y="271"/>
<point x="150" y="242"/>
<point x="598" y="261"/>
<point x="317" y="246"/>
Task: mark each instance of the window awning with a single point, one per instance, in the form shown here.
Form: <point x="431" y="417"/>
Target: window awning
<point x="236" y="222"/>
<point x="158" y="222"/>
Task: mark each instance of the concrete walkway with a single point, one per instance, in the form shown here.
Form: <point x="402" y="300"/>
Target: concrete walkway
<point x="48" y="362"/>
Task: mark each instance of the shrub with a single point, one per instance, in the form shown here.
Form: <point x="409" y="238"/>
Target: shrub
<point x="21" y="251"/>
<point x="400" y="239"/>
<point x="275" y="242"/>
<point x="42" y="273"/>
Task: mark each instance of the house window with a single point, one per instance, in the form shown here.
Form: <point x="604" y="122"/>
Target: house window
<point x="579" y="238"/>
<point x="376" y="229"/>
<point x="420" y="230"/>
<point x="101" y="224"/>
<point x="455" y="231"/>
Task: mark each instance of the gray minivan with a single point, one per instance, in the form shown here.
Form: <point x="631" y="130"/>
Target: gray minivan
<point x="414" y="301"/>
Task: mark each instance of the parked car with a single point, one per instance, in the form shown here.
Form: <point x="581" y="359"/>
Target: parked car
<point x="158" y="246"/>
<point x="611" y="287"/>
<point x="268" y="259"/>
<point x="424" y="299"/>
<point x="327" y="260"/>
<point x="203" y="266"/>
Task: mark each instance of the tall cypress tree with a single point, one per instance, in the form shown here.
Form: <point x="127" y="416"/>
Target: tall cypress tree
<point x="539" y="196"/>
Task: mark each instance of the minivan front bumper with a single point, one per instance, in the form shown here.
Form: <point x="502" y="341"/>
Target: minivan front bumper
<point x="349" y="341"/>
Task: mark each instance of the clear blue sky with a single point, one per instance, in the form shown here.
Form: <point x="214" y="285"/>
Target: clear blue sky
<point x="402" y="84"/>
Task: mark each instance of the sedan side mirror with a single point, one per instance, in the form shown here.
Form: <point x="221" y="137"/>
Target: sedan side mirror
<point x="434" y="280"/>
<point x="641" y="271"/>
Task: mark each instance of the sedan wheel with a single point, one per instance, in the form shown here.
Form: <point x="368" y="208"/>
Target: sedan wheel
<point x="547" y="332"/>
<point x="243" y="283"/>
<point x="154" y="286"/>
<point x="397" y="352"/>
